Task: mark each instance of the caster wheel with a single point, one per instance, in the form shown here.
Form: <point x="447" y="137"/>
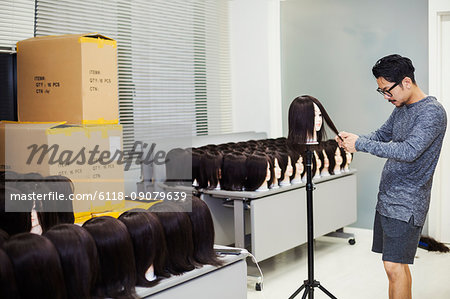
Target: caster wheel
<point x="258" y="286"/>
<point x="351" y="241"/>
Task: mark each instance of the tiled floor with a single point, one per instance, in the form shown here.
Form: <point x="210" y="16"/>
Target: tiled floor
<point x="349" y="272"/>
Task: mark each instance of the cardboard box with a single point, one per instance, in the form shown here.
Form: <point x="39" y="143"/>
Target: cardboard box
<point x="72" y="151"/>
<point x="71" y="78"/>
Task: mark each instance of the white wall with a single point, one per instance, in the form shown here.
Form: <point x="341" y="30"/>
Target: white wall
<point x="255" y="62"/>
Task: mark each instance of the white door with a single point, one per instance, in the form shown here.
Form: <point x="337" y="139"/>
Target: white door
<point x="439" y="86"/>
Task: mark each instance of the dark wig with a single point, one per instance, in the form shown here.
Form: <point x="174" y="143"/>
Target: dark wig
<point x="78" y="256"/>
<point x="321" y="157"/>
<point x="273" y="155"/>
<point x="330" y="147"/>
<point x="301" y="120"/>
<point x="148" y="242"/>
<point x="294" y="158"/>
<point x="234" y="172"/>
<point x="14" y="222"/>
<point x="283" y="161"/>
<point x="256" y="171"/>
<point x="178" y="234"/>
<point x="344" y="157"/>
<point x="203" y="233"/>
<point x="63" y="208"/>
<point x="30" y="183"/>
<point x="8" y="287"/>
<point x="394" y="68"/>
<point x="117" y="276"/>
<point x="196" y="158"/>
<point x="37" y="268"/>
<point x="3" y="237"/>
<point x="210" y="172"/>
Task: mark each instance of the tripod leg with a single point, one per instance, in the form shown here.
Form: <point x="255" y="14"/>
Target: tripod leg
<point x="305" y="293"/>
<point x="297" y="292"/>
<point x="326" y="292"/>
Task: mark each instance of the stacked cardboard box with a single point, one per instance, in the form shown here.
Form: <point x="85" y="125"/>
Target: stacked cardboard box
<point x="70" y="83"/>
<point x="84" y="154"/>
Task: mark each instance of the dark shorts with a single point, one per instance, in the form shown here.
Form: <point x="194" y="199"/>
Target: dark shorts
<point x="397" y="240"/>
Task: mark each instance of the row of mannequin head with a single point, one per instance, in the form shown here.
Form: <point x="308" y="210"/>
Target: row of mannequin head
<point x="258" y="165"/>
<point x="107" y="257"/>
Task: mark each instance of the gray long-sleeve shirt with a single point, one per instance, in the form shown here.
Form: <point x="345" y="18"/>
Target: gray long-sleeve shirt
<point x="411" y="140"/>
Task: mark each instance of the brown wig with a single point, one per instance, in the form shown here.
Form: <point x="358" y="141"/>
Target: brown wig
<point x="234" y="172"/>
<point x="148" y="242"/>
<point x="178" y="234"/>
<point x="8" y="287"/>
<point x="37" y="268"/>
<point x="256" y="171"/>
<point x="301" y="120"/>
<point x="117" y="276"/>
<point x="78" y="256"/>
<point x="203" y="233"/>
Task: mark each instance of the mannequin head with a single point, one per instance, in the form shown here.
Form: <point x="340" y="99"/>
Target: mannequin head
<point x="258" y="172"/>
<point x="78" y="256"/>
<point x="275" y="168"/>
<point x="203" y="233"/>
<point x="117" y="275"/>
<point x="305" y="120"/>
<point x="338" y="161"/>
<point x="234" y="172"/>
<point x="285" y="164"/>
<point x="297" y="170"/>
<point x="178" y="234"/>
<point x="317" y="154"/>
<point x="8" y="287"/>
<point x="348" y="158"/>
<point x="325" y="165"/>
<point x="196" y="158"/>
<point x="37" y="268"/>
<point x="344" y="158"/>
<point x="148" y="240"/>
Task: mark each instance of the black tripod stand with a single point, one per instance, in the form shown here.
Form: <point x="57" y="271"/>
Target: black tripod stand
<point x="310" y="284"/>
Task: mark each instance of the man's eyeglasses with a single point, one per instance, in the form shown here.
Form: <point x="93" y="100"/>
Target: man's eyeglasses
<point x="387" y="92"/>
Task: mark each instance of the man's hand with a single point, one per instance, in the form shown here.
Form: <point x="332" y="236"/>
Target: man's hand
<point x="349" y="141"/>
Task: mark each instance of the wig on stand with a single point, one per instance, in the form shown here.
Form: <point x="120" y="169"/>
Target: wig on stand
<point x="37" y="268"/>
<point x="203" y="233"/>
<point x="146" y="232"/>
<point x="117" y="276"/>
<point x="78" y="256"/>
<point x="178" y="234"/>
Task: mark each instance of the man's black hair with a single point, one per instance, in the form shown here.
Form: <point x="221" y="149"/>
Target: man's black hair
<point x="394" y="68"/>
